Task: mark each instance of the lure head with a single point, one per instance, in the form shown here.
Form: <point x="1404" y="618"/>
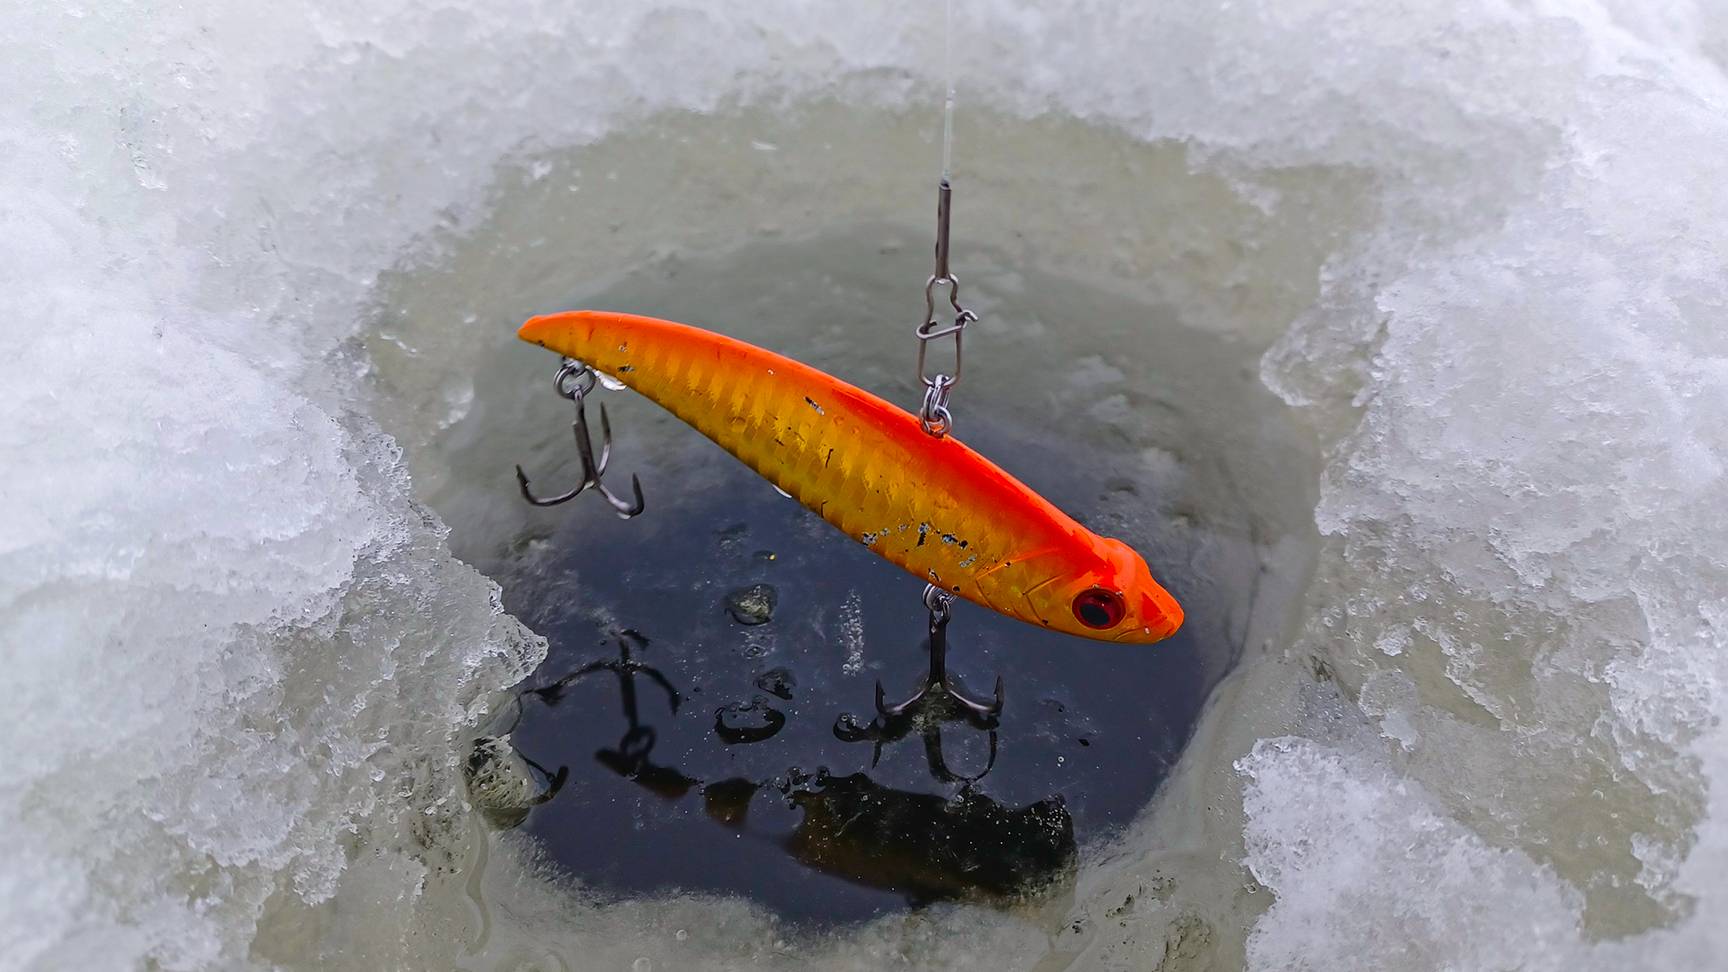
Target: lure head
<point x="1113" y="599"/>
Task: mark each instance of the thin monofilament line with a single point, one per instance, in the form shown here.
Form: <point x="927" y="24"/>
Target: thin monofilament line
<point x="948" y="102"/>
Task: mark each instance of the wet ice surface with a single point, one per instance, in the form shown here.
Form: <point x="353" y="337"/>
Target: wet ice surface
<point x="1090" y="727"/>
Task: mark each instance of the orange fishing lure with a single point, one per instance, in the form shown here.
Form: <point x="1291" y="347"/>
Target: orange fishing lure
<point x="931" y="505"/>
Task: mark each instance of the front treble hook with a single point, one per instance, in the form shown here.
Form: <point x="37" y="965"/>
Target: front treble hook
<point x="574" y="381"/>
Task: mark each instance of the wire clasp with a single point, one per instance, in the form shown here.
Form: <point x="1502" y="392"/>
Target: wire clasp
<point x="934" y="414"/>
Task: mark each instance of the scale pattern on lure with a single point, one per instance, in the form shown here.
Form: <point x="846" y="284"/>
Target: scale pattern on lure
<point x="930" y="505"/>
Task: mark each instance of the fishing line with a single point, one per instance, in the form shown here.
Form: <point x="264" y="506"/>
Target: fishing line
<point x="948" y="103"/>
<point x="934" y="414"/>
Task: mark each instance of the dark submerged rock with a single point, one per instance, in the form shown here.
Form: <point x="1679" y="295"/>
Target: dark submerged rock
<point x="753" y="605"/>
<point x="777" y="682"/>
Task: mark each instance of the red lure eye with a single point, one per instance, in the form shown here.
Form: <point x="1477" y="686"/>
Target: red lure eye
<point x="1099" y="609"/>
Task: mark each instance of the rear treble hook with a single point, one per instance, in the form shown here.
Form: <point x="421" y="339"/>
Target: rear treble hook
<point x="574" y="381"/>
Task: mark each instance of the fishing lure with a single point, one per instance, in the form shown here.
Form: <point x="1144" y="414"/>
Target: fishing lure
<point x="931" y="505"/>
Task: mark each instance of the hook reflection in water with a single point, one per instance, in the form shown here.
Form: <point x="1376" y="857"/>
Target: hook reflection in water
<point x="938" y="701"/>
<point x="630" y="757"/>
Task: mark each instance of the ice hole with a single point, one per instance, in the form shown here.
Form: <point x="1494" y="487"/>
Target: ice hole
<point x="1140" y="411"/>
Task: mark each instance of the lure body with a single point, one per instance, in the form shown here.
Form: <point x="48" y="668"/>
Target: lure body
<point x="932" y="506"/>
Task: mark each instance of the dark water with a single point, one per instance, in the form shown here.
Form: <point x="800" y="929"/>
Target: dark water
<point x="699" y="753"/>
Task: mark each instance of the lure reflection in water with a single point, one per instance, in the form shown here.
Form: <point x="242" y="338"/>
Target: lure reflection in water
<point x="922" y="845"/>
<point x="925" y="847"/>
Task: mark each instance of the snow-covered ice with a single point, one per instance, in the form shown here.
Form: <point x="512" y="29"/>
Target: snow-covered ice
<point x="238" y="653"/>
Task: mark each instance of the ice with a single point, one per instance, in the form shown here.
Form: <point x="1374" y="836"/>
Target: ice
<point x="240" y="657"/>
<point x="1503" y="909"/>
<point x="1522" y="504"/>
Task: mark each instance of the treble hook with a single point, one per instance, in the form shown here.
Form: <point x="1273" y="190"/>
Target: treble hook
<point x="574" y="381"/>
<point x="938" y="701"/>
